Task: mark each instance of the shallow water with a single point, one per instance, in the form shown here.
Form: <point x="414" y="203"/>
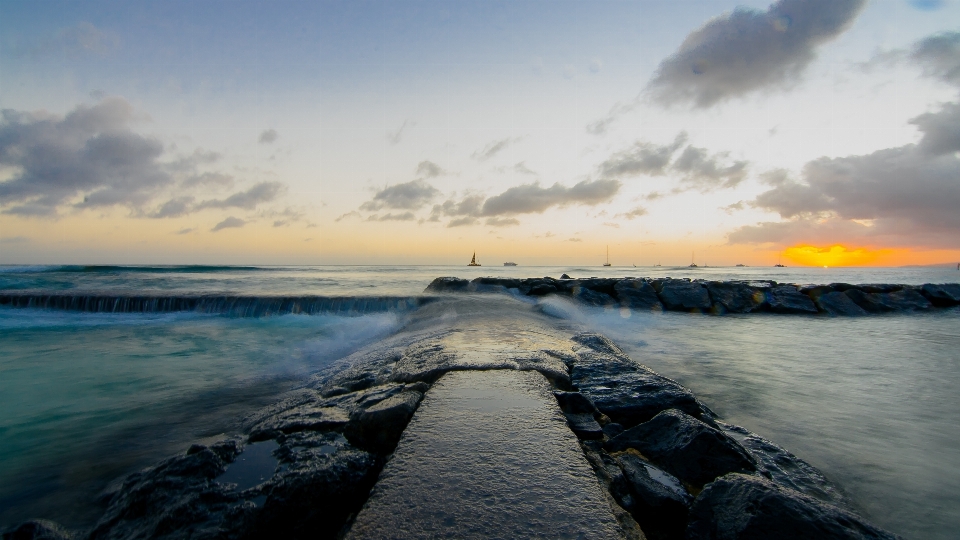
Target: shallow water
<point x="88" y="397"/>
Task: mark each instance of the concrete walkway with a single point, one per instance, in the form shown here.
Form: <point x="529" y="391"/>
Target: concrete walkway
<point x="487" y="455"/>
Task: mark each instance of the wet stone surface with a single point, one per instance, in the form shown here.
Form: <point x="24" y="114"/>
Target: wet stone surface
<point x="487" y="455"/>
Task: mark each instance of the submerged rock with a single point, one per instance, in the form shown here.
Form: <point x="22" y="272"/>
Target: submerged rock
<point x="38" y="529"/>
<point x="447" y="284"/>
<point x="682" y="295"/>
<point x="748" y="507"/>
<point x="685" y="447"/>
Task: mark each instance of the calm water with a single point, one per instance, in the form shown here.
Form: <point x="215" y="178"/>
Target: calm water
<point x="86" y="397"/>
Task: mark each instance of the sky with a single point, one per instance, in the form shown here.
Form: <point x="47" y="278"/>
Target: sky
<point x="812" y="132"/>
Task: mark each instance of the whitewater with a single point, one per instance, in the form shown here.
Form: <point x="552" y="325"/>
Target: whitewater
<point x="92" y="389"/>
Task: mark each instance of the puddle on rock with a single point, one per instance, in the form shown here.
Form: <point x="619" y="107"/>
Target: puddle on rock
<point x="254" y="466"/>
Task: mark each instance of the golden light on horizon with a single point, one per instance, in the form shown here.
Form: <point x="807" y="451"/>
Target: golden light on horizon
<point x="838" y="255"/>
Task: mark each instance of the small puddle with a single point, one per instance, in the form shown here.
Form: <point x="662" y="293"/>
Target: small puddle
<point x="252" y="467"/>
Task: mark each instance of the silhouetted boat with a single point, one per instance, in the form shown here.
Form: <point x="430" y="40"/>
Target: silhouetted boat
<point x="778" y="265"/>
<point x="741" y="265"/>
<point x="608" y="257"/>
<point x="473" y="261"/>
<point x="692" y="264"/>
<point x="509" y="264"/>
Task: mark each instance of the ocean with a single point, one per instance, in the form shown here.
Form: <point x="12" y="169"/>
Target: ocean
<point x="89" y="397"/>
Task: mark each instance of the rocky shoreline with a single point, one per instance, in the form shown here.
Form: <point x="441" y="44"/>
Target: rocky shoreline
<point x="719" y="297"/>
<point x="307" y="465"/>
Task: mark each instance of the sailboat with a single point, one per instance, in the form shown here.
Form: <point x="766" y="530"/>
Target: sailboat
<point x="692" y="264"/>
<point x="473" y="261"/>
<point x="778" y="265"/>
<point x="608" y="257"/>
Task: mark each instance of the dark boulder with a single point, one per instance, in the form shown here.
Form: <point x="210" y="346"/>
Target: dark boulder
<point x="575" y="403"/>
<point x="735" y="297"/>
<point x="837" y="303"/>
<point x="584" y="426"/>
<point x="565" y="276"/>
<point x="600" y="285"/>
<point x="37" y="529"/>
<point x="592" y="297"/>
<point x="751" y="508"/>
<point x="581" y="415"/>
<point x="685" y="447"/>
<point x="902" y="300"/>
<point x="944" y="295"/>
<point x="682" y="295"/>
<point x="447" y="284"/>
<point x="627" y="392"/>
<point x="617" y="490"/>
<point x="637" y="294"/>
<point x="377" y="428"/>
<point x="660" y="502"/>
<point x="788" y="299"/>
<point x="542" y="289"/>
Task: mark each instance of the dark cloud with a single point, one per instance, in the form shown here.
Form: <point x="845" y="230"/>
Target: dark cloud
<point x="347" y="215"/>
<point x="187" y="230"/>
<point x="230" y="222"/>
<point x="429" y="169"/>
<point x="939" y="55"/>
<point x="407" y="196"/>
<point x="642" y="158"/>
<point x="471" y="205"/>
<point x="747" y="50"/>
<point x="502" y="222"/>
<point x="704" y="172"/>
<point x="268" y="136"/>
<point x="941" y="130"/>
<point x="532" y="198"/>
<point x="462" y="222"/>
<point x="260" y="193"/>
<point x="406" y="216"/>
<point x="177" y="207"/>
<point x="493" y="149"/>
<point x="901" y="196"/>
<point x="695" y="167"/>
<point x="208" y="179"/>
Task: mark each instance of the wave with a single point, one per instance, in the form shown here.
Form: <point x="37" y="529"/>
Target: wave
<point x="237" y="306"/>
<point x="163" y="269"/>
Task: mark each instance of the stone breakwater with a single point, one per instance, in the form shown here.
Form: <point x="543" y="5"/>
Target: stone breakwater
<point x="719" y="297"/>
<point x="367" y="449"/>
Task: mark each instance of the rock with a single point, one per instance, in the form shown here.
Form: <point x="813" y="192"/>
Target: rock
<point x="542" y="289"/>
<point x="617" y="490"/>
<point x="564" y="276"/>
<point x="838" y="303"/>
<point x="378" y="427"/>
<point x="788" y="299"/>
<point x="305" y="417"/>
<point x="660" y="502"/>
<point x="323" y="481"/>
<point x="748" y="507"/>
<point x="612" y="429"/>
<point x="945" y="295"/>
<point x="447" y="284"/>
<point x="37" y="529"/>
<point x="734" y="297"/>
<point x="637" y="294"/>
<point x="601" y="285"/>
<point x="575" y="403"/>
<point x="584" y="426"/>
<point x="623" y="390"/>
<point x="682" y="295"/>
<point x="592" y="297"/>
<point x="685" y="447"/>
<point x="902" y="300"/>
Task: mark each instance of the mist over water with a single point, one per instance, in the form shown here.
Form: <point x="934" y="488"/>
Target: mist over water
<point x="90" y="397"/>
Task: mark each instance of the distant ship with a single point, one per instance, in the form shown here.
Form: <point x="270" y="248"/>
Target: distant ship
<point x="608" y="257"/>
<point x="473" y="261"/>
<point x="741" y="265"/>
<point x="692" y="264"/>
<point x="508" y="264"/>
<point x="778" y="265"/>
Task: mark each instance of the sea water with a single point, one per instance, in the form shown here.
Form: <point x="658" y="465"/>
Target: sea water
<point x="88" y="397"/>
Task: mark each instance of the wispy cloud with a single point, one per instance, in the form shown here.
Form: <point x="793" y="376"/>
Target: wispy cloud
<point x="494" y="148"/>
<point x="406" y="196"/>
<point x="229" y="223"/>
<point x="268" y="136"/>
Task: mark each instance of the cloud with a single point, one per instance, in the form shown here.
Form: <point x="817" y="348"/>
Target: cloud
<point x="523" y="169"/>
<point x="461" y="222"/>
<point x="429" y="169"/>
<point x="642" y="158"/>
<point x="268" y="136"/>
<point x="230" y="222"/>
<point x="348" y="215"/>
<point x="407" y="196"/>
<point x="611" y="224"/>
<point x="633" y="214"/>
<point x="574" y="240"/>
<point x="394" y="137"/>
<point x="249" y="199"/>
<point x="14" y="240"/>
<point x="502" y="222"/>
<point x="179" y="206"/>
<point x="493" y="148"/>
<point x="939" y="55"/>
<point x="895" y="196"/>
<point x="187" y="230"/>
<point x="532" y="198"/>
<point x="208" y="179"/>
<point x="599" y="127"/>
<point x="941" y="130"/>
<point x="470" y="205"/>
<point x="695" y="167"/>
<point x="747" y="50"/>
<point x="406" y="216"/>
<point x="90" y="152"/>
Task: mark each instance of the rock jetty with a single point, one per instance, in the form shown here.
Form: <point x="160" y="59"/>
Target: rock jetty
<point x="484" y="418"/>
<point x="718" y="297"/>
